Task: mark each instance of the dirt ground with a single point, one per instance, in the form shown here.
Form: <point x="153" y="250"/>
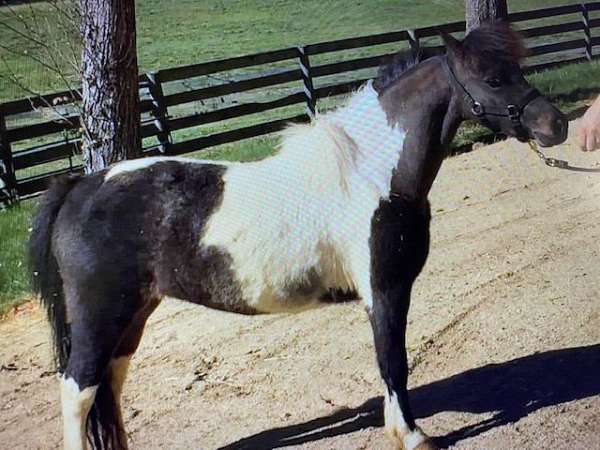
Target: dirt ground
<point x="504" y="338"/>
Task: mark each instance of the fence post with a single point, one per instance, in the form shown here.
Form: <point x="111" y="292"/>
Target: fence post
<point x="586" y="30"/>
<point x="413" y="41"/>
<point x="8" y="179"/>
<point x="159" y="111"/>
<point x="309" y="90"/>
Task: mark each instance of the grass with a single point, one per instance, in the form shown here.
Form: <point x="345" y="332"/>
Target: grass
<point x="172" y="33"/>
<point x="14" y="229"/>
<point x="251" y="150"/>
<point x="570" y="83"/>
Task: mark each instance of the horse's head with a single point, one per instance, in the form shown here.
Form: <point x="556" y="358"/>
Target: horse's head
<point x="484" y="70"/>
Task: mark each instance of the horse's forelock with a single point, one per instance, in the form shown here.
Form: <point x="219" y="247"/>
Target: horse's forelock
<point x="497" y="42"/>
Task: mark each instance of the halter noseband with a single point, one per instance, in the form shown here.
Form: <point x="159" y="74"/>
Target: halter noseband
<point x="513" y="111"/>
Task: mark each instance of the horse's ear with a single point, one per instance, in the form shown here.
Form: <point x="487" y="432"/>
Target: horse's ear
<point x="453" y="45"/>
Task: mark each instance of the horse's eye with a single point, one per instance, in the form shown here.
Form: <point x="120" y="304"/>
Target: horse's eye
<point x="493" y="82"/>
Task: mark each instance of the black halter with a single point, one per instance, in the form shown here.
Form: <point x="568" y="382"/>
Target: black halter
<point x="513" y="111"/>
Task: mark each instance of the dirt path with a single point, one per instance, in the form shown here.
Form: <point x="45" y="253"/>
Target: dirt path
<point x="504" y="339"/>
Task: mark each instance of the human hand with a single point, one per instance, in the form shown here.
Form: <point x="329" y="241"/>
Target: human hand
<point x="588" y="128"/>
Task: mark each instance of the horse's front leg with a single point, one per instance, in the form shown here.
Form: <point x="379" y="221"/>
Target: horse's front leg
<point x="399" y="247"/>
<point x="388" y="318"/>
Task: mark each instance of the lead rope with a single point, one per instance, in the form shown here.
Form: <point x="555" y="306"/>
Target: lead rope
<point x="558" y="163"/>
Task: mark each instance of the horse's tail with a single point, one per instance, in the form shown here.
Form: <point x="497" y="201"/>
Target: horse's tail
<point x="104" y="426"/>
<point x="46" y="279"/>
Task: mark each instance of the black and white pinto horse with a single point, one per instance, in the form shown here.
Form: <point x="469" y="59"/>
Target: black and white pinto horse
<point x="342" y="207"/>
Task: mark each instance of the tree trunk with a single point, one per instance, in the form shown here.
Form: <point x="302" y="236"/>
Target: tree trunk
<point x="111" y="104"/>
<point x="480" y="11"/>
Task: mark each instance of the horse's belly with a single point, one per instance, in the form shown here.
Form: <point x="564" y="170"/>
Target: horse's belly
<point x="294" y="304"/>
<point x="266" y="303"/>
<point x="274" y="303"/>
<point x="222" y="290"/>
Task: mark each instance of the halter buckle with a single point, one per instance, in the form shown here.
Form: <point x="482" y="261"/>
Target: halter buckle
<point x="513" y="111"/>
<point x="477" y="109"/>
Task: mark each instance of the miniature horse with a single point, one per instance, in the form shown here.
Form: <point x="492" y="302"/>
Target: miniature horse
<point x="342" y="206"/>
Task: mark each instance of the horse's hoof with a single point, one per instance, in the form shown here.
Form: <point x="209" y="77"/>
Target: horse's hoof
<point x="422" y="441"/>
<point x="427" y="444"/>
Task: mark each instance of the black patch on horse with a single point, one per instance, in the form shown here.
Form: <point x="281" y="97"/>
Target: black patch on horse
<point x="143" y="229"/>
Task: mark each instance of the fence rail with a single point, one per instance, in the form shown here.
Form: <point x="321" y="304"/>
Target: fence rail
<point x="28" y="146"/>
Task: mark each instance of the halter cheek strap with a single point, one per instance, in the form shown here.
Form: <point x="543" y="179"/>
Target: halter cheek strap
<point x="513" y="111"/>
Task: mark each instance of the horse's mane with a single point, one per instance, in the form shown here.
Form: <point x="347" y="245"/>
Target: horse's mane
<point x="395" y="66"/>
<point x="494" y="42"/>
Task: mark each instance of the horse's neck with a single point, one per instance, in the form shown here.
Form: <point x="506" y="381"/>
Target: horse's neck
<point x="379" y="144"/>
<point x="422" y="102"/>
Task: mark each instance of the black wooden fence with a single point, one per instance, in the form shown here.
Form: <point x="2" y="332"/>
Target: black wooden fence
<point x="30" y="152"/>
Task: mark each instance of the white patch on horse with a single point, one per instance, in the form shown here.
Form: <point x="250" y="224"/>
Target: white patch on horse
<point x="307" y="210"/>
<point x="380" y="143"/>
<point x="413" y="439"/>
<point x="396" y="426"/>
<point x="76" y="405"/>
<point x="143" y="163"/>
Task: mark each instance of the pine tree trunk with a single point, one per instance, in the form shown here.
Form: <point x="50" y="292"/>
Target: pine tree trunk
<point x="111" y="104"/>
<point x="480" y="11"/>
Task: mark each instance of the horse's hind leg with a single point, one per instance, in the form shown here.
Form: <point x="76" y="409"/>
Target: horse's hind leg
<point x="119" y="364"/>
<point x="76" y="404"/>
<point x="92" y="380"/>
<point x="85" y="389"/>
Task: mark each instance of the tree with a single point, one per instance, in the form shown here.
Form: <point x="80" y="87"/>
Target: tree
<point x="73" y="41"/>
<point x="111" y="107"/>
<point x="480" y="11"/>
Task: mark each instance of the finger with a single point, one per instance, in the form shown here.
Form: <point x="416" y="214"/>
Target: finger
<point x="580" y="137"/>
<point x="596" y="140"/>
<point x="590" y="142"/>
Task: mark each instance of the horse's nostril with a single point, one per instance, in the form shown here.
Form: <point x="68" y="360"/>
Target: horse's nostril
<point x="560" y="125"/>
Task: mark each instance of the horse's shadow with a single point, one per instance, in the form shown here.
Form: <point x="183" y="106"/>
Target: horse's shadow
<point x="510" y="390"/>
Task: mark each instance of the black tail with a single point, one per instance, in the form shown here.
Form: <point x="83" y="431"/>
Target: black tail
<point x="104" y="428"/>
<point x="46" y="279"/>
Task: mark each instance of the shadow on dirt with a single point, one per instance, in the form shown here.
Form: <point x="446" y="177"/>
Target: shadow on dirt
<point x="511" y="390"/>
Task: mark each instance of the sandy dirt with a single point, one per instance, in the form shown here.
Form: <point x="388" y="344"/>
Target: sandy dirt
<point x="504" y="338"/>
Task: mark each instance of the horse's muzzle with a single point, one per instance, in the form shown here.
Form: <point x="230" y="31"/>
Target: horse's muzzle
<point x="545" y="123"/>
